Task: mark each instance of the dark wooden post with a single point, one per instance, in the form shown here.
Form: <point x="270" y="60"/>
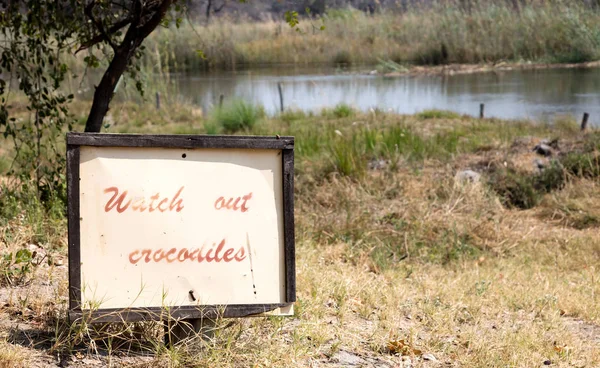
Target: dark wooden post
<point x="280" y="96"/>
<point x="178" y="331"/>
<point x="221" y="98"/>
<point x="157" y="100"/>
<point x="584" y="121"/>
<point x="481" y="110"/>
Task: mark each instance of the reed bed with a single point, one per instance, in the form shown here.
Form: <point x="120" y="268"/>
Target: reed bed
<point x="446" y="32"/>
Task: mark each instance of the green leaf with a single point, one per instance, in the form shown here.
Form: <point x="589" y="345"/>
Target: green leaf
<point x="23" y="256"/>
<point x="200" y="53"/>
<point x="291" y="17"/>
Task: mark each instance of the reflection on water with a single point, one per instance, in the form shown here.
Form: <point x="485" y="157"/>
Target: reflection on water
<point x="515" y="94"/>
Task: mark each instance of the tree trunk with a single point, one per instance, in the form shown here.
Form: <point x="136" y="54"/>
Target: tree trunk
<point x="516" y="6"/>
<point x="208" y="6"/>
<point x="105" y="90"/>
<point x="136" y="33"/>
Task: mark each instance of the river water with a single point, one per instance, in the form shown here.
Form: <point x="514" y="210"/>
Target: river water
<point x="536" y="94"/>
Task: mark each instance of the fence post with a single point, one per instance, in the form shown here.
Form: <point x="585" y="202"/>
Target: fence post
<point x="481" y="110"/>
<point x="584" y="121"/>
<point x="178" y="331"/>
<point x="221" y="98"/>
<point x="157" y="100"/>
<point x="280" y="96"/>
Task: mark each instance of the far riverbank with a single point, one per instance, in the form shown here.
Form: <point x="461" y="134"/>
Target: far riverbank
<point x="438" y="36"/>
<point x="390" y="69"/>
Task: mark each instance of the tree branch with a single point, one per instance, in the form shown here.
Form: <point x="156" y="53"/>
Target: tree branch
<point x="155" y="20"/>
<point x="89" y="12"/>
<point x="120" y="5"/>
<point x="220" y="7"/>
<point x="100" y="37"/>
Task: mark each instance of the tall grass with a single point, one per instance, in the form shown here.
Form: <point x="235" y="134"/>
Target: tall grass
<point x="234" y="117"/>
<point x="351" y="151"/>
<point x="446" y="32"/>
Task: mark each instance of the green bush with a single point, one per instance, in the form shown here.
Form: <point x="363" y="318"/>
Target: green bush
<point x="515" y="189"/>
<point x="522" y="190"/>
<point x="234" y="117"/>
<point x="16" y="268"/>
<point x="343" y="111"/>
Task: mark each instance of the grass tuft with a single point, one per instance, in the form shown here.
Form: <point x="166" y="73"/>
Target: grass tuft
<point x="586" y="165"/>
<point x="437" y="114"/>
<point x="343" y="111"/>
<point x="235" y="116"/>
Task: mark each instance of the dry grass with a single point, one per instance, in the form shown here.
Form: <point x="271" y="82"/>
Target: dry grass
<point x="447" y="32"/>
<point x="393" y="263"/>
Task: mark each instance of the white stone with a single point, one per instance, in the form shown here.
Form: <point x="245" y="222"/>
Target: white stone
<point x="467" y="176"/>
<point x="429" y="357"/>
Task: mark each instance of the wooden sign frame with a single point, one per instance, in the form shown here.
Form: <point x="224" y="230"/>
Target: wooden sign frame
<point x="77" y="140"/>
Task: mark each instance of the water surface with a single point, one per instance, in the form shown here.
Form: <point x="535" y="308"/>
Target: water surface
<point x="513" y="94"/>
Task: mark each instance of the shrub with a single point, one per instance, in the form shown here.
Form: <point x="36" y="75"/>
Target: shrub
<point x="522" y="190"/>
<point x="236" y="116"/>
<point x="515" y="189"/>
<point x="16" y="268"/>
<point x="342" y="111"/>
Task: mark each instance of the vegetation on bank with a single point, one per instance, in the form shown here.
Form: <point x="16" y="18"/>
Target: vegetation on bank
<point x="398" y="257"/>
<point x="446" y="32"/>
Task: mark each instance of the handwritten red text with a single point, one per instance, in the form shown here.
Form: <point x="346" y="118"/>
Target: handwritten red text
<point x="216" y="253"/>
<point x="232" y="203"/>
<point x="141" y="204"/>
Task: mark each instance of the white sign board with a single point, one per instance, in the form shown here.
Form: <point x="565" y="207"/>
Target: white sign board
<point x="180" y="221"/>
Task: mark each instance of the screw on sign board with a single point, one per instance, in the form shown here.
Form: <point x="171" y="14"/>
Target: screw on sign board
<point x="196" y="226"/>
